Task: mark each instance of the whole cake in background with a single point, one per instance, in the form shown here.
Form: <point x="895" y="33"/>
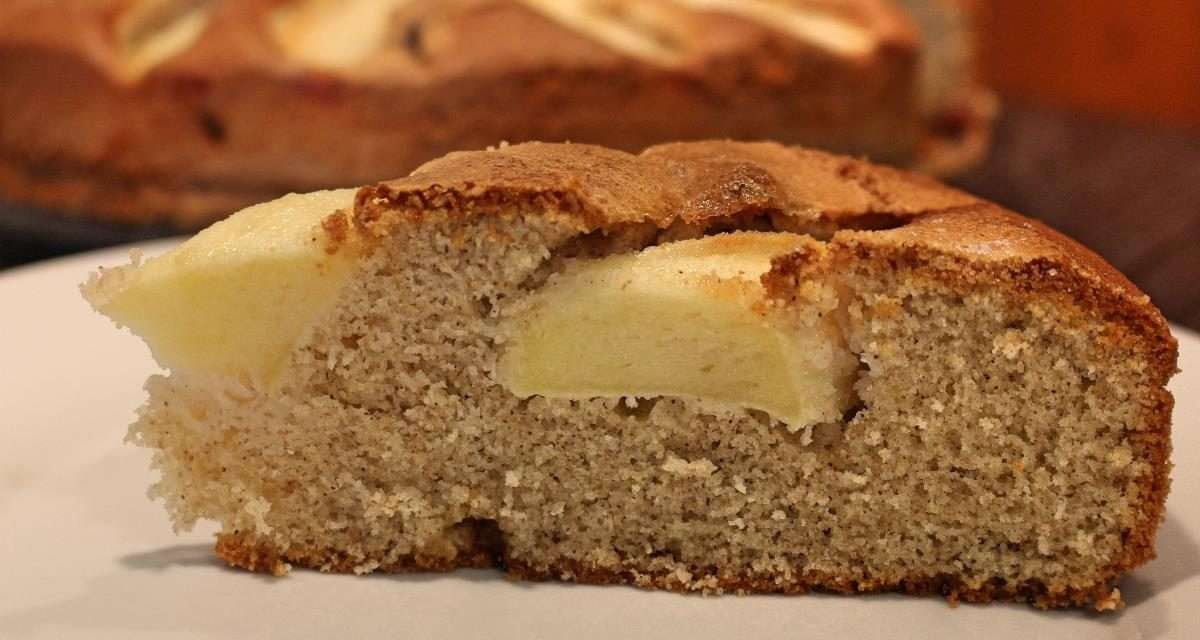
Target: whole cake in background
<point x="179" y="111"/>
<point x="712" y="366"/>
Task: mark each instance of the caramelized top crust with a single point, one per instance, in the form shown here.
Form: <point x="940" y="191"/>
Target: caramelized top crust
<point x="870" y="211"/>
<point x="693" y="181"/>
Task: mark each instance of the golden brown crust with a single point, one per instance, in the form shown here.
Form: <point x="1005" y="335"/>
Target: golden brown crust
<point x="245" y="553"/>
<point x="237" y="108"/>
<point x="681" y="182"/>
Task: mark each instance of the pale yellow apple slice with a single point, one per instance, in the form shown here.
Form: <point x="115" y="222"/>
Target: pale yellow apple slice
<point x="333" y="33"/>
<point x="684" y="319"/>
<point x="235" y="298"/>
<point x="150" y="32"/>
<point x="823" y="28"/>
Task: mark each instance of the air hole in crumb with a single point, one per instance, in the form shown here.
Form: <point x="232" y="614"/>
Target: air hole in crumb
<point x="484" y="307"/>
<point x="761" y="417"/>
<point x="874" y="222"/>
<point x="638" y="408"/>
<point x="801" y="439"/>
<point x="827" y="434"/>
<point x="954" y="441"/>
<point x="623" y="238"/>
<point x="211" y="126"/>
<point x="483" y="538"/>
<point x="850" y="414"/>
<point x="749" y="221"/>
<point x="673" y="550"/>
<point x="538" y="277"/>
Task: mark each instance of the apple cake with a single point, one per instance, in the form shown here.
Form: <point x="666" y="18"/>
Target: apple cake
<point x="712" y="366"/>
<point x="180" y="111"/>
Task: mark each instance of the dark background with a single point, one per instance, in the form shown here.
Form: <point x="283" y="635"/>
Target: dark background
<point x="1130" y="192"/>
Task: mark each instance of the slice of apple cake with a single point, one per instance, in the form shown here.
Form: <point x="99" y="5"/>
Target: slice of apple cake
<point x="711" y="366"/>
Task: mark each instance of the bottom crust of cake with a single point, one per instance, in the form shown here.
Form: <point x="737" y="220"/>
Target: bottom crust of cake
<point x="488" y="552"/>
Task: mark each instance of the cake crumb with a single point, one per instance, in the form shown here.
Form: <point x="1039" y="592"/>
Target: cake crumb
<point x="512" y="478"/>
<point x="698" y="468"/>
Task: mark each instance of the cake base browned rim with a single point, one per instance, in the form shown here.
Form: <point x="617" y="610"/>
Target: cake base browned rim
<point x="489" y="553"/>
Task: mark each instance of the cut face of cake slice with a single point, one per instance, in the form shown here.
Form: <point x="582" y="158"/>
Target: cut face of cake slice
<point x="708" y="367"/>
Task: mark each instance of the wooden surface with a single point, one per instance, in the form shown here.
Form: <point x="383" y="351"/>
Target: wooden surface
<point x="1130" y="193"/>
<point x="1134" y="58"/>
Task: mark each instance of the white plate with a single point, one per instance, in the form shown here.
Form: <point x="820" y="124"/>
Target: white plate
<point x="83" y="554"/>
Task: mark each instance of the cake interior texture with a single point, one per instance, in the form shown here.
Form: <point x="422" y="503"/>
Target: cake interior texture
<point x="995" y="446"/>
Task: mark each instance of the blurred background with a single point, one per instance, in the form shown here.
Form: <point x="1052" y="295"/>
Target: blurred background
<point x="1100" y="131"/>
<point x="1098" y="134"/>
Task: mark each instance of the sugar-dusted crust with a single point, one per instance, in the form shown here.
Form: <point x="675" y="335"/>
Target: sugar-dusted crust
<point x="238" y="109"/>
<point x="873" y="217"/>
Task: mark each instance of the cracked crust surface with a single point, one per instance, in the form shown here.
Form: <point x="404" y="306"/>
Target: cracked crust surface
<point x="235" y="94"/>
<point x="872" y="219"/>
